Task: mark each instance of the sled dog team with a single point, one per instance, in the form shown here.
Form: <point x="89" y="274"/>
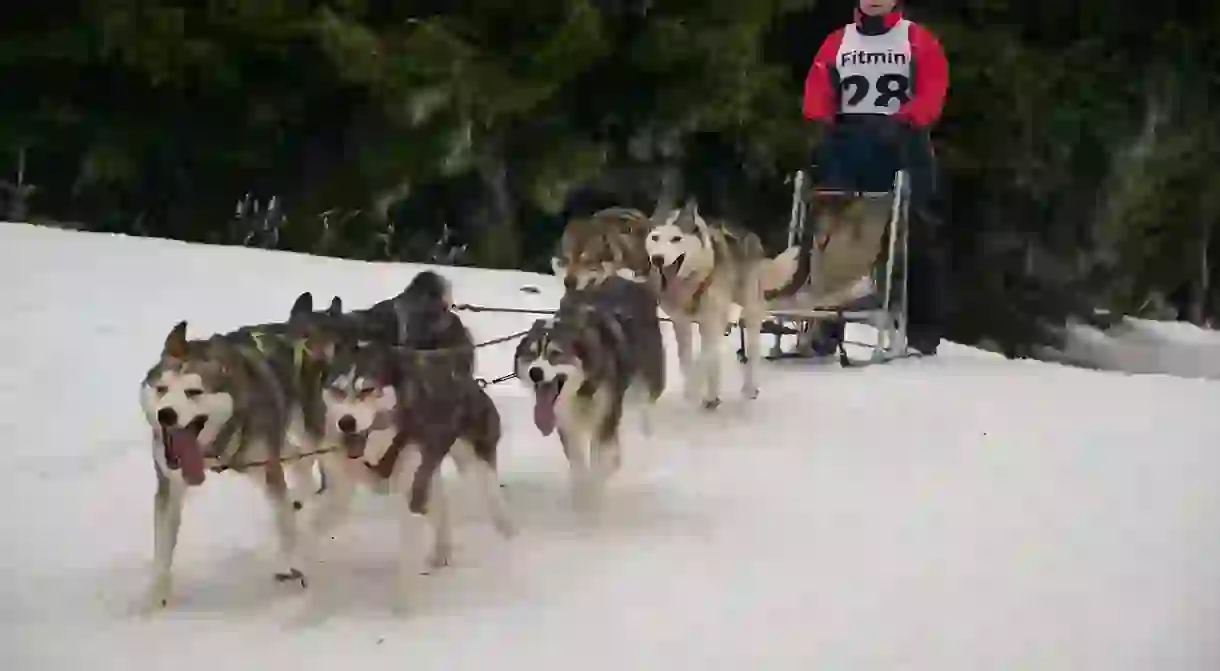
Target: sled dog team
<point x="381" y="396"/>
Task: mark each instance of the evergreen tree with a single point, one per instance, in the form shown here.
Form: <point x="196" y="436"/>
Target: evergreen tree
<point x="1078" y="148"/>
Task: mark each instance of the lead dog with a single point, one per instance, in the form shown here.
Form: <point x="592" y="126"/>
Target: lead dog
<point x="604" y="340"/>
<point x="237" y="401"/>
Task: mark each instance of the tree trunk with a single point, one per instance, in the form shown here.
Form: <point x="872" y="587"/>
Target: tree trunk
<point x="18" y="193"/>
<point x="497" y="243"/>
<point x="1202" y="293"/>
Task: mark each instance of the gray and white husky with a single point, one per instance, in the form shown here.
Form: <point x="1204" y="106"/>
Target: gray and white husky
<point x="604" y="341"/>
<point x="398" y="412"/>
<point x="238" y="401"/>
<point x="704" y="272"/>
<point x="419" y="316"/>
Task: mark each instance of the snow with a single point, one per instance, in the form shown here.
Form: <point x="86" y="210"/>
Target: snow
<point x="966" y="512"/>
<point x="1146" y="346"/>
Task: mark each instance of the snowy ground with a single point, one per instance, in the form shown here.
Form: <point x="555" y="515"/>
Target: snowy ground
<point x="961" y="513"/>
<point x="1144" y="346"/>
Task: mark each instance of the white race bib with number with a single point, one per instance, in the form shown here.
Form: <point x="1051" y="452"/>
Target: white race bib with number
<point x="874" y="70"/>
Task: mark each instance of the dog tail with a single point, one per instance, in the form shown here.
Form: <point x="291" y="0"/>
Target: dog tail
<point x="785" y="274"/>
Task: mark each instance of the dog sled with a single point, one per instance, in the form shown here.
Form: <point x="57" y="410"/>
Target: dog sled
<point x="857" y="247"/>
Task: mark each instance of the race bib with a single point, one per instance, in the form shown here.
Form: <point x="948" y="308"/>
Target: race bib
<point x="874" y="70"/>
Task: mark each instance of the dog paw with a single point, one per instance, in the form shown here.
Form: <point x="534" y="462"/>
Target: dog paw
<point x="750" y="393"/>
<point x="156" y="599"/>
<point x="440" y="557"/>
<point x="505" y="527"/>
<point x="150" y="604"/>
<point x="711" y="403"/>
<point x="292" y="575"/>
<point x="147" y="606"/>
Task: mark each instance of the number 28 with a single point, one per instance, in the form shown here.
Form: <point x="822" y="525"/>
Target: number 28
<point x="889" y="88"/>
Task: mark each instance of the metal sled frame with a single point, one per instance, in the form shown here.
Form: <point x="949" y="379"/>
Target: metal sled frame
<point x="890" y="318"/>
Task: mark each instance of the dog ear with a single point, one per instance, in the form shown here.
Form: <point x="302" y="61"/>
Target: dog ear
<point x="336" y="307"/>
<point x="661" y="212"/>
<point x="616" y="249"/>
<point x="175" y="342"/>
<point x="447" y="296"/>
<point x="688" y="218"/>
<point x="666" y="199"/>
<point x="303" y="306"/>
<point x="531" y="342"/>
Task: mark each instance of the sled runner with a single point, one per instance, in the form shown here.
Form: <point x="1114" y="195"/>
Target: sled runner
<point x="857" y="241"/>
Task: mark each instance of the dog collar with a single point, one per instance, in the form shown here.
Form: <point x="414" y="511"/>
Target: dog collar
<point x="256" y="336"/>
<point x="299" y="351"/>
<point x="229" y="440"/>
<point x="300" y="348"/>
<point x="700" y="289"/>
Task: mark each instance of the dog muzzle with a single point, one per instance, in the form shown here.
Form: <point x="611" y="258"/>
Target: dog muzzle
<point x="353" y="441"/>
<point x="666" y="272"/>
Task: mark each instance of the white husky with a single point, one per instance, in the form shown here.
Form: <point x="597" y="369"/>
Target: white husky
<point x="704" y="273"/>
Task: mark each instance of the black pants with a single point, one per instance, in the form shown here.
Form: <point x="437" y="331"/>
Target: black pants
<point x="863" y="153"/>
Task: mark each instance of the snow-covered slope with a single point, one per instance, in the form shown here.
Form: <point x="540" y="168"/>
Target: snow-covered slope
<point x="1144" y="346"/>
<point x="962" y="513"/>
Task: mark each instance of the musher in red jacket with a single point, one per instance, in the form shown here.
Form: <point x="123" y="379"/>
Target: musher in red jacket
<point x="877" y="85"/>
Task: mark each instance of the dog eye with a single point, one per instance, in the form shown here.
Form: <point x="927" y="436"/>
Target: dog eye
<point x="655" y="237"/>
<point x="365" y="393"/>
<point x="193" y="393"/>
<point x="676" y="238"/>
<point x="161" y="389"/>
<point x="336" y="393"/>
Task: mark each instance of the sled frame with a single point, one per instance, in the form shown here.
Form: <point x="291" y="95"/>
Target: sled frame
<point x="890" y="317"/>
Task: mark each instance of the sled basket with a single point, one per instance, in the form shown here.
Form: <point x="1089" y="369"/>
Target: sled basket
<point x="857" y="247"/>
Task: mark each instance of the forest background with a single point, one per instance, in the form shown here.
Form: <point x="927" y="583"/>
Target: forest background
<point x="1079" y="150"/>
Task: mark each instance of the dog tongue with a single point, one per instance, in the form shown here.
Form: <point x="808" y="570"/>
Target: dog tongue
<point x="544" y="407"/>
<point x="671" y="282"/>
<point x="677" y="286"/>
<point x="183" y="446"/>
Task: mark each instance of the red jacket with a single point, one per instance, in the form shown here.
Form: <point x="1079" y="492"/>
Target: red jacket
<point x="931" y="77"/>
